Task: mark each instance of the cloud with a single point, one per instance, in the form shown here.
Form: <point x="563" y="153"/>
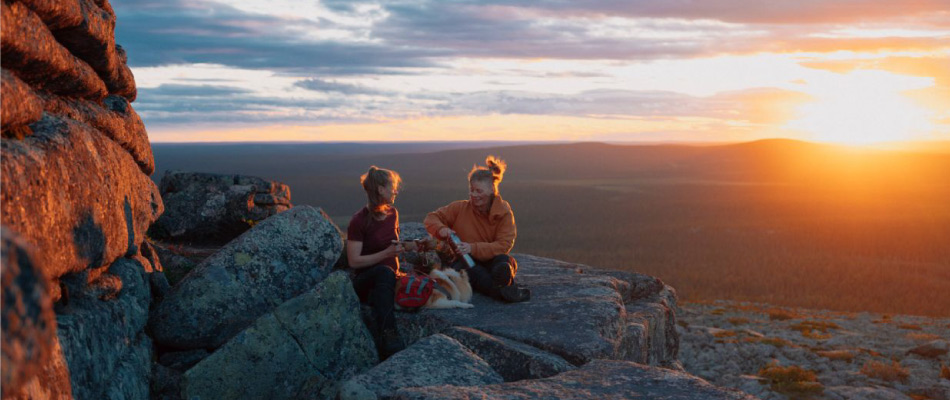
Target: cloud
<point x="319" y="85"/>
<point x="760" y="105"/>
<point x="179" y="32"/>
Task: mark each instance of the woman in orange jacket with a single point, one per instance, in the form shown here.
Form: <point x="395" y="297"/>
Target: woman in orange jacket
<point x="486" y="226"/>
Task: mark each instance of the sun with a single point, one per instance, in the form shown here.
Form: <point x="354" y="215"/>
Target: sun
<point x="864" y="107"/>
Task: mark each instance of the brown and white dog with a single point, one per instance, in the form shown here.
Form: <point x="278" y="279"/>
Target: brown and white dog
<point x="456" y="284"/>
<point x="453" y="289"/>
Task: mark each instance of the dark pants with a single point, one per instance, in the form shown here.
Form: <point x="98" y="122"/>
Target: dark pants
<point x="376" y="286"/>
<point x="487" y="277"/>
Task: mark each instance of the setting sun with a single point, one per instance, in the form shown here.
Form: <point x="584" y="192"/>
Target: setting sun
<point x="864" y="107"/>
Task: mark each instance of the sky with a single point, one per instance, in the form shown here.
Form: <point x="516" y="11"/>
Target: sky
<point x="846" y="71"/>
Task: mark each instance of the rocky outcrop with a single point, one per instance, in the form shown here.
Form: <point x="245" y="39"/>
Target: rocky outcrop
<point x="576" y="311"/>
<point x="33" y="365"/>
<point x="303" y="349"/>
<point x="76" y="155"/>
<point x="215" y="208"/>
<point x="278" y="259"/>
<point x="76" y="160"/>
<point x="599" y="379"/>
<point x="435" y="360"/>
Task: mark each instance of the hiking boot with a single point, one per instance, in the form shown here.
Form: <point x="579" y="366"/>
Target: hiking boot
<point x="514" y="294"/>
<point x="392" y="343"/>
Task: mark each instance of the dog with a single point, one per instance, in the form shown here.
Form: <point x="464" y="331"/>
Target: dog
<point x="453" y="289"/>
<point x="458" y="288"/>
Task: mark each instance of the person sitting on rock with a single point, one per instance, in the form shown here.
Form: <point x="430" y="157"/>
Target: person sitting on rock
<point x="486" y="226"/>
<point x="372" y="252"/>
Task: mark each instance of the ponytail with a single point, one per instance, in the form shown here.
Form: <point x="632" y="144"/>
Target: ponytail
<point x="371" y="181"/>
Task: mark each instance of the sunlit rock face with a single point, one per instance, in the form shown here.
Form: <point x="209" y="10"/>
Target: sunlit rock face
<point x="205" y="208"/>
<point x="76" y="188"/>
<point x="76" y="156"/>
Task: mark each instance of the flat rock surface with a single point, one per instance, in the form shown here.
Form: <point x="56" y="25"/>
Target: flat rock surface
<point x="599" y="379"/>
<point x="576" y="312"/>
<point x="853" y="355"/>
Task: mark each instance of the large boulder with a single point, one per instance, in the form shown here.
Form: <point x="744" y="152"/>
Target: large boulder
<point x="101" y="325"/>
<point x="76" y="195"/>
<point x="32" y="361"/>
<point x="278" y="259"/>
<point x="435" y="360"/>
<point x="215" y="208"/>
<point x="599" y="379"/>
<point x="304" y="349"/>
<point x="576" y="311"/>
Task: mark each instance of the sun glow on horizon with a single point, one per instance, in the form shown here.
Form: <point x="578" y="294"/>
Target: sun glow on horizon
<point x="864" y="107"/>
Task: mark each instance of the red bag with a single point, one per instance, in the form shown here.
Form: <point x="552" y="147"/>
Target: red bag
<point x="413" y="290"/>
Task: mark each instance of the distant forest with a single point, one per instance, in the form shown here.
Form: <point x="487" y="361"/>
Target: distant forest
<point x="778" y="221"/>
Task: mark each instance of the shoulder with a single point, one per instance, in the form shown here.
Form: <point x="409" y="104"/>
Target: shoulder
<point x="359" y="215"/>
<point x="500" y="206"/>
<point x="457" y="205"/>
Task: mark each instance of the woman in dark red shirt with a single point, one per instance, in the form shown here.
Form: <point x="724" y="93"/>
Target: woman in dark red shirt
<point x="372" y="251"/>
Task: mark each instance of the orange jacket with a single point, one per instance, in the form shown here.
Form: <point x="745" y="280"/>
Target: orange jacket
<point x="490" y="235"/>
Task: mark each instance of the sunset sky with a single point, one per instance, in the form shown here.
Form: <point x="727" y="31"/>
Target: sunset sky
<point x="852" y="71"/>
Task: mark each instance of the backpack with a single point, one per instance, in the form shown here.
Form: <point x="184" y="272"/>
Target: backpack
<point x="413" y="290"/>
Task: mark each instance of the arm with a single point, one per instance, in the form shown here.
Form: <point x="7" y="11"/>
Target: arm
<point x="505" y="235"/>
<point x="357" y="261"/>
<point x="444" y="217"/>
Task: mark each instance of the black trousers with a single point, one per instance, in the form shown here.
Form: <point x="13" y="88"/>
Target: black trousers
<point x="487" y="277"/>
<point x="376" y="286"/>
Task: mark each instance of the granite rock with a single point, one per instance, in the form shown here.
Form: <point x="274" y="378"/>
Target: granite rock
<point x="599" y="379"/>
<point x="215" y="208"/>
<point x="278" y="259"/>
<point x="435" y="360"/>
<point x="304" y="349"/>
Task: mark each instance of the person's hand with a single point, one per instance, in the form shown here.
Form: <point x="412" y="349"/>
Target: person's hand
<point x="393" y="250"/>
<point x="464" y="248"/>
<point x="445" y="232"/>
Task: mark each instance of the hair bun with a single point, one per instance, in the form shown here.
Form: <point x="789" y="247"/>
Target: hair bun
<point x="496" y="166"/>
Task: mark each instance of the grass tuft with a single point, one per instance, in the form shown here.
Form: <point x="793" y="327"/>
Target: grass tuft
<point x="910" y="327"/>
<point x="778" y="314"/>
<point x="920" y="336"/>
<point x="893" y="372"/>
<point x="738" y="320"/>
<point x="793" y="381"/>
<point x="837" y="355"/>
